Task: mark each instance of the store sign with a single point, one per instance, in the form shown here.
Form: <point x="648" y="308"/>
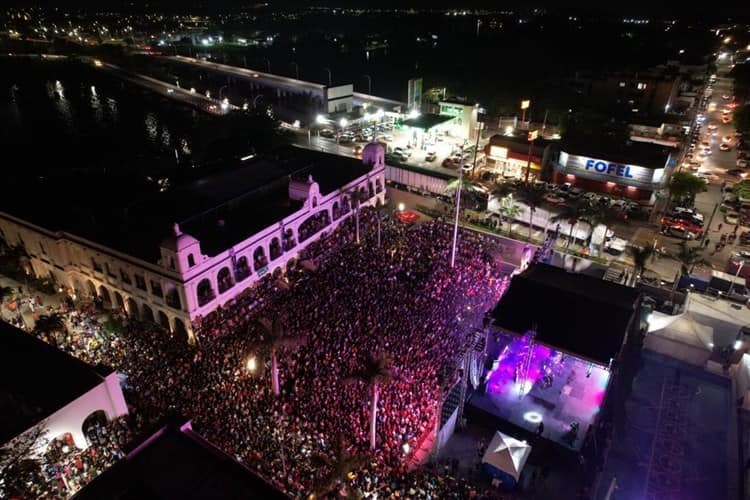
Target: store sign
<point x="602" y="168"/>
<point x="498" y="152"/>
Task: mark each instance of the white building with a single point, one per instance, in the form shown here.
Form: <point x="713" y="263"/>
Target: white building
<point x="48" y="394"/>
<point x="180" y="255"/>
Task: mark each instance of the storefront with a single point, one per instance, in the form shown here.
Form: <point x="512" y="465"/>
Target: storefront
<point x="616" y="175"/>
<point x="508" y="156"/>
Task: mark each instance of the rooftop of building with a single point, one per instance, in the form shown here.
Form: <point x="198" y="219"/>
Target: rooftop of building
<point x="580" y="314"/>
<point x="175" y="462"/>
<point x="426" y="121"/>
<point x="247" y="199"/>
<point x="642" y="154"/>
<point x="36" y="380"/>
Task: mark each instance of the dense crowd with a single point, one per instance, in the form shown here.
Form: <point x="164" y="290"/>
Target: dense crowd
<point x="401" y="300"/>
<point x="64" y="469"/>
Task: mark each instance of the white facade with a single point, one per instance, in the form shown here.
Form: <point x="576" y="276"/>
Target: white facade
<point x="186" y="284"/>
<point x="106" y="397"/>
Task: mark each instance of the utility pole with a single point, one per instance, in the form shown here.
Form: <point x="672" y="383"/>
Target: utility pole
<point x="544" y="123"/>
<point x="480" y="126"/>
<point x="458" y="208"/>
<point x="710" y="220"/>
<point x="531" y="137"/>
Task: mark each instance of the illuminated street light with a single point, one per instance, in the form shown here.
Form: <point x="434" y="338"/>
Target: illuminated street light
<point x="509" y="130"/>
<point x="225" y="104"/>
<point x="413" y="113"/>
<point x="343" y="122"/>
<point x="401" y="207"/>
<point x="406" y="448"/>
<point x="320" y="119"/>
<point x="728" y="39"/>
<point x="251" y="364"/>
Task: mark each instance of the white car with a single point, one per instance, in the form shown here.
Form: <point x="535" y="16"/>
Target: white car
<point x="616" y="245"/>
<point x="741" y="163"/>
<point x="732" y="218"/>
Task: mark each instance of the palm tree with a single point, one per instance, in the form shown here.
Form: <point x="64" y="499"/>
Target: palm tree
<point x="340" y="465"/>
<point x="274" y="337"/>
<point x="375" y="371"/>
<point x="358" y="197"/>
<point x="641" y="256"/>
<point x="510" y="212"/>
<point x="49" y="323"/>
<point x="689" y="257"/>
<point x="573" y="213"/>
<point x="605" y="216"/>
<point x="532" y="197"/>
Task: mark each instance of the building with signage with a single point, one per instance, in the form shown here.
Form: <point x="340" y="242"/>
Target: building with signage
<point x="465" y="116"/>
<point x="174" y="257"/>
<point x="633" y="170"/>
<point x="509" y="155"/>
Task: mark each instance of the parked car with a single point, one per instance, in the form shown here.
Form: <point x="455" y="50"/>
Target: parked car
<point x="357" y="151"/>
<point x="725" y="120"/>
<point x="737" y="172"/>
<point x="430" y="156"/>
<point x="732" y="218"/>
<point x="554" y="199"/>
<point x="402" y="151"/>
<point x="742" y="163"/>
<point x="615" y="245"/>
<point x="575" y="192"/>
<point x="725" y="147"/>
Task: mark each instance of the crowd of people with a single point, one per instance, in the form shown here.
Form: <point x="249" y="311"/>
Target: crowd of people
<point x="345" y="303"/>
<point x="64" y="468"/>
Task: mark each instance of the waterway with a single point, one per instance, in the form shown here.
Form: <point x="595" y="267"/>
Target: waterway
<point x="61" y="115"/>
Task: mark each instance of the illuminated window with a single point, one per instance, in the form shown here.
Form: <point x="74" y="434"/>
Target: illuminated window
<point x="622" y="84"/>
<point x="641" y="86"/>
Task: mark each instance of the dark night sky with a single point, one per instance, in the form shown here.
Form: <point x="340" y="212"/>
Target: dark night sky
<point x="673" y="7"/>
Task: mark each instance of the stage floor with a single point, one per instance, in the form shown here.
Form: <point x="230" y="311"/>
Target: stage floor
<point x="552" y="388"/>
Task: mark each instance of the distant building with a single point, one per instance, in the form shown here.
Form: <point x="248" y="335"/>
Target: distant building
<point x="175" y="462"/>
<point x="643" y="94"/>
<point x="180" y="255"/>
<point x="465" y="117"/>
<point x="48" y="393"/>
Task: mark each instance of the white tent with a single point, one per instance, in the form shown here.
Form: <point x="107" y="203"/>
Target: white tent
<point x="507" y="454"/>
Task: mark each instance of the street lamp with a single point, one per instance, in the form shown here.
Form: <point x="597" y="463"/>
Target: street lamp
<point x="533" y="134"/>
<point x="329" y="75"/>
<point x="401" y="207"/>
<point x="296" y="70"/>
<point x="525" y="104"/>
<point x="252" y="364"/>
<point x="458" y="206"/>
<point x="369" y="83"/>
<point x="320" y="119"/>
<point x="343" y="122"/>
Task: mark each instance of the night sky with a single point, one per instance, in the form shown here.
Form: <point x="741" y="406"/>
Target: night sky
<point x="674" y="8"/>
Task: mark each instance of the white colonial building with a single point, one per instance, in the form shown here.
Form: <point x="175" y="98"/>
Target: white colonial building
<point x="182" y="254"/>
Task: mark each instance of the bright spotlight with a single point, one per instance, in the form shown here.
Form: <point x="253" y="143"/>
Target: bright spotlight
<point x="737" y="345"/>
<point x="320" y="119"/>
<point x="252" y="364"/>
<point x="413" y="113"/>
<point x="532" y="417"/>
<point x="509" y="130"/>
<point x="401" y="207"/>
<point x="343" y="122"/>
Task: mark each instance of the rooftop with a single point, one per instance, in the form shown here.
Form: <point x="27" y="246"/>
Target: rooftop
<point x="177" y="463"/>
<point x="36" y="380"/>
<point x="642" y="154"/>
<point x="426" y="121"/>
<point x="247" y="199"/>
<point x="583" y="315"/>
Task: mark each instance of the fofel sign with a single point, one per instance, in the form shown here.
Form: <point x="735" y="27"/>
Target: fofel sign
<point x="606" y="170"/>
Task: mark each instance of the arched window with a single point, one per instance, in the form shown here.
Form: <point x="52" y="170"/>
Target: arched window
<point x="205" y="292"/>
<point x="224" y="280"/>
<point x="243" y="269"/>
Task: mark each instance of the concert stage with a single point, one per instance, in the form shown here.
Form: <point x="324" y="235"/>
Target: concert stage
<point x="531" y="383"/>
